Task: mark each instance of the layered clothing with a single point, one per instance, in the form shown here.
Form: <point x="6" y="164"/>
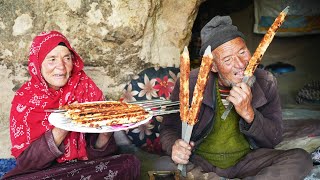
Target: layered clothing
<point x="28" y="119"/>
<point x="265" y="131"/>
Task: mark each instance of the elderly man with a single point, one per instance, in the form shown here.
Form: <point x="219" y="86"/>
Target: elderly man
<point x="241" y="146"/>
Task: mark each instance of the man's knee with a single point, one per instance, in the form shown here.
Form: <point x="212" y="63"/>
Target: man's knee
<point x="302" y="159"/>
<point x="301" y="155"/>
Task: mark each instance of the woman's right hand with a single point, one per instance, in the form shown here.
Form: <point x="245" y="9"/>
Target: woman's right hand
<point x="181" y="151"/>
<point x="59" y="135"/>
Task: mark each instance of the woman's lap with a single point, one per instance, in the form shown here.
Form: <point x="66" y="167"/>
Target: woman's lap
<point x="123" y="166"/>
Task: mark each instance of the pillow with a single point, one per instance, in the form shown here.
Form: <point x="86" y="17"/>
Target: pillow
<point x="151" y="83"/>
<point x="309" y="93"/>
<point x="6" y="165"/>
<point x="315" y="155"/>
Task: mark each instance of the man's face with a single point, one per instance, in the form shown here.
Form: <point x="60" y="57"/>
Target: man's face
<point x="231" y="59"/>
<point x="57" y="66"/>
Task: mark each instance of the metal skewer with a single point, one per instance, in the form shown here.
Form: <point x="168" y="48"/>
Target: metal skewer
<point x="258" y="54"/>
<point x="155" y="107"/>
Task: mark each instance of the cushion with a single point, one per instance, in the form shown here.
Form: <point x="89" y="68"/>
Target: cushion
<point x="314" y="174"/>
<point x="6" y="165"/>
<point x="309" y="93"/>
<point x="151" y="83"/>
<point x="315" y="155"/>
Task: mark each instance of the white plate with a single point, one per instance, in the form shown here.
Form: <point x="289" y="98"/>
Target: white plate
<point x="60" y="121"/>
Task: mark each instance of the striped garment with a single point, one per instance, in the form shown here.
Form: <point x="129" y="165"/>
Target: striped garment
<point x="224" y="93"/>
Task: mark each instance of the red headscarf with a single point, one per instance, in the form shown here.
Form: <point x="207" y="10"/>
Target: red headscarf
<point x="28" y="121"/>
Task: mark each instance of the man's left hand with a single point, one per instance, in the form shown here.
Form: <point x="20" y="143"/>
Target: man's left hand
<point x="240" y="96"/>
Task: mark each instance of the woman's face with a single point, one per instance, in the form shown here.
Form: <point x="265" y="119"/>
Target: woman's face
<point x="231" y="59"/>
<point x="57" y="66"/>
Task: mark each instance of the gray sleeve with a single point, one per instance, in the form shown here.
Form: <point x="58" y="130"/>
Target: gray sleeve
<point x="267" y="127"/>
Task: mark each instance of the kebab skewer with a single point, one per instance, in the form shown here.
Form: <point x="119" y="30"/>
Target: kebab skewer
<point x="197" y="98"/>
<point x="200" y="86"/>
<point x="258" y="54"/>
<point x="184" y="88"/>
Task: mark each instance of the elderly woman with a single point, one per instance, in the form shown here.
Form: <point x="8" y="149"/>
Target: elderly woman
<point x="45" y="151"/>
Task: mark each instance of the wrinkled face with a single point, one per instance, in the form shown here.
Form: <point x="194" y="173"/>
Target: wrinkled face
<point x="57" y="66"/>
<point x="231" y="59"/>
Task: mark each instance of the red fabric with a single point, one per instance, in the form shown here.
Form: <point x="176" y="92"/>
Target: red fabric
<point x="28" y="121"/>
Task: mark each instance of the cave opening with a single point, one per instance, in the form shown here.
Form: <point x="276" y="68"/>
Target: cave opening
<point x="207" y="11"/>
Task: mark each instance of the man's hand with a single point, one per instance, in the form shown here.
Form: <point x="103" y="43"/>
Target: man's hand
<point x="240" y="96"/>
<point x="181" y="151"/>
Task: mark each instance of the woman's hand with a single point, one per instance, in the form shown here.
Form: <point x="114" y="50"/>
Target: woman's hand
<point x="59" y="135"/>
<point x="103" y="139"/>
<point x="181" y="151"/>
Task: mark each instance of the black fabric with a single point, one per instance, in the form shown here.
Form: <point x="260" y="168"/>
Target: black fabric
<point x="62" y="44"/>
<point x="218" y="31"/>
<point x="315" y="155"/>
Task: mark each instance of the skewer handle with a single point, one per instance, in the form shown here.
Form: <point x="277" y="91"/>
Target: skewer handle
<point x="258" y="54"/>
<point x="186" y="137"/>
<point x="230" y="106"/>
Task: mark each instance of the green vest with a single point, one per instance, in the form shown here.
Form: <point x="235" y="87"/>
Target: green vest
<point x="225" y="145"/>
